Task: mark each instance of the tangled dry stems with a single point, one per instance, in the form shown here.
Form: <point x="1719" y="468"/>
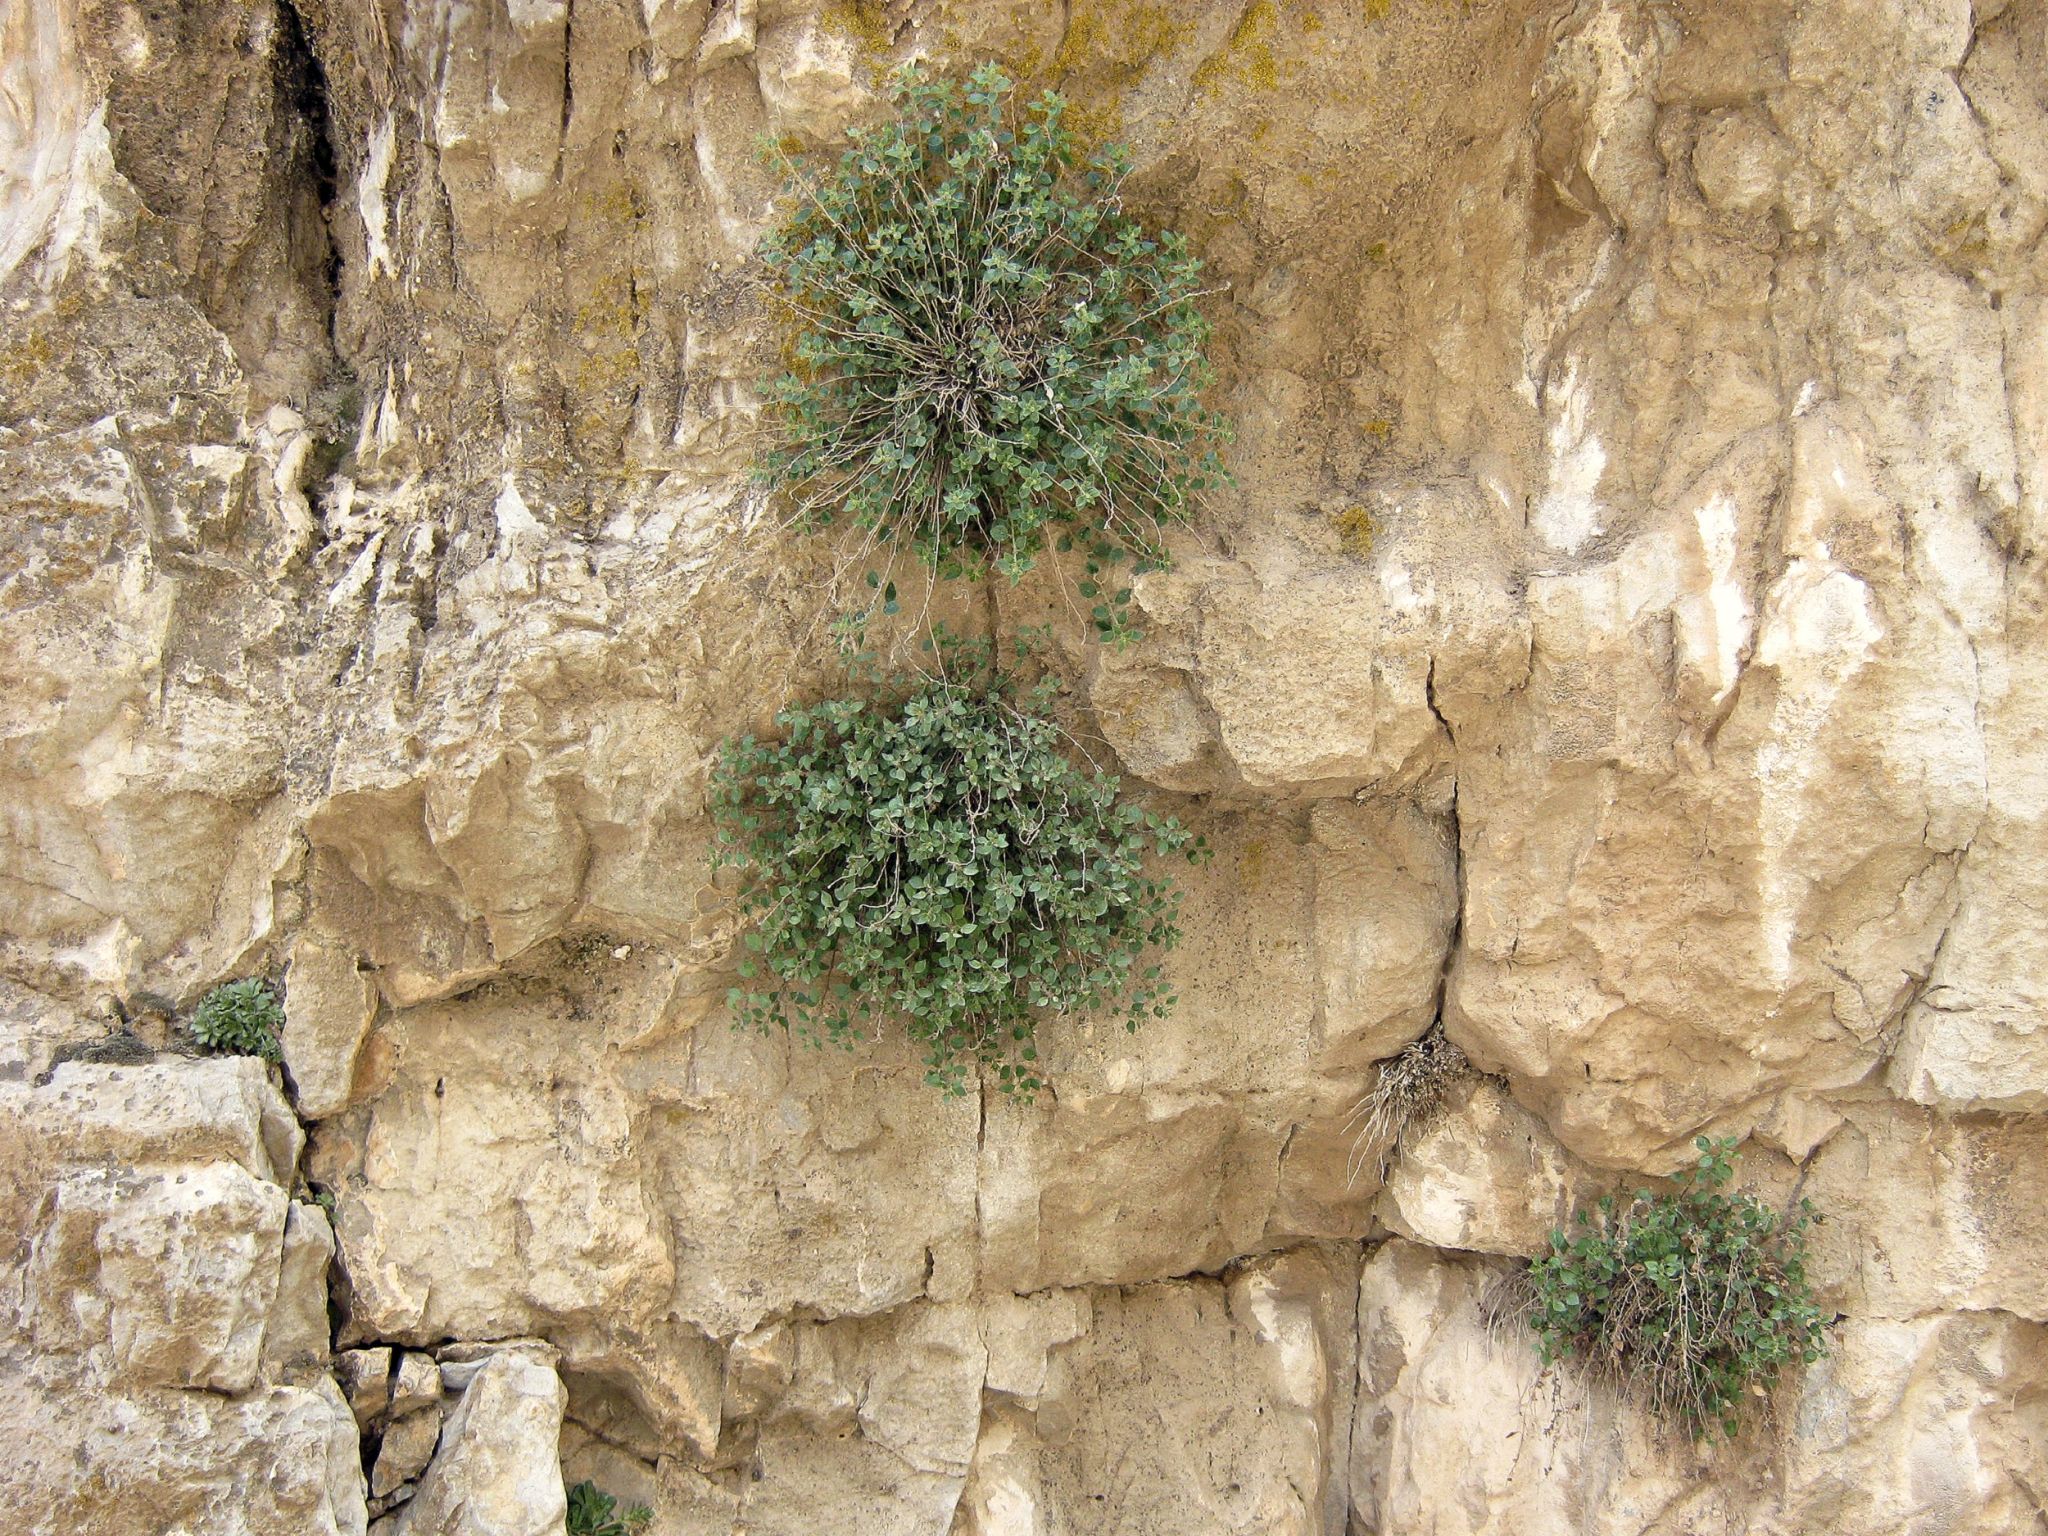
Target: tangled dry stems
<point x="1412" y="1083"/>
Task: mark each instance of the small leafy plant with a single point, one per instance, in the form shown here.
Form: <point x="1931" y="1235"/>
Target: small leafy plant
<point x="240" y="1018"/>
<point x="592" y="1513"/>
<point x="1697" y="1297"/>
<point x="933" y="853"/>
<point x="987" y="342"/>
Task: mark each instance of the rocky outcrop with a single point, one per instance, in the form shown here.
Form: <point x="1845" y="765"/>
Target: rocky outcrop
<point x="497" y="1473"/>
<point x="164" y="1338"/>
<point x="1618" y="649"/>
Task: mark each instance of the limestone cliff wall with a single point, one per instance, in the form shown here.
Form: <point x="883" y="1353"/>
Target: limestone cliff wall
<point x="1626" y="644"/>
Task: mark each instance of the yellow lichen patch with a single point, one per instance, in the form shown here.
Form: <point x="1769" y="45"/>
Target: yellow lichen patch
<point x="1247" y="58"/>
<point x="602" y="380"/>
<point x="865" y="22"/>
<point x="607" y="314"/>
<point x="1355" y="529"/>
<point x="619" y="203"/>
<point x="1124" y="34"/>
<point x="1104" y="51"/>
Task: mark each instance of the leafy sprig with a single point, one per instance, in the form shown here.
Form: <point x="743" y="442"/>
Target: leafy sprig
<point x="240" y="1018"/>
<point x="593" y="1512"/>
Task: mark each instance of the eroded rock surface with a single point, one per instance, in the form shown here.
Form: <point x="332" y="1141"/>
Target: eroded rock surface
<point x="1621" y="647"/>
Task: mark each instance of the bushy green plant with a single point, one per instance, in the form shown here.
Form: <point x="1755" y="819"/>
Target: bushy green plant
<point x="240" y="1018"/>
<point x="987" y="342"/>
<point x="593" y="1513"/>
<point x="1698" y="1297"/>
<point x="934" y="853"/>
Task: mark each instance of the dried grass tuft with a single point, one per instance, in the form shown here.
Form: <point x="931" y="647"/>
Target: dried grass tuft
<point x="1411" y="1083"/>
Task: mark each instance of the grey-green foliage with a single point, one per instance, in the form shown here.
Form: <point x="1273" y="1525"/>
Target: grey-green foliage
<point x="1697" y="1297"/>
<point x="240" y="1018"/>
<point x="987" y="342"/>
<point x="932" y="853"/>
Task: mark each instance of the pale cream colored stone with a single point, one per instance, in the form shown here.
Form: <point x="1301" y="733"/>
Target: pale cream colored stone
<point x="1115" y="1188"/>
<point x="161" y="1463"/>
<point x="1903" y="1423"/>
<point x="1482" y="1174"/>
<point x="482" y="1241"/>
<point x="498" y="1472"/>
<point x="877" y="1425"/>
<point x="758" y="1367"/>
<point x="1926" y="1212"/>
<point x="807" y="69"/>
<point x="730" y="34"/>
<point x="169" y="1278"/>
<point x="1021" y="1331"/>
<point x="329" y="1005"/>
<point x="296" y="1335"/>
<point x="1385" y="902"/>
<point x="1187" y="1407"/>
<point x="649" y="1388"/>
<point x="1001" y="1496"/>
<point x="415" y="1384"/>
<point x="1739" y="163"/>
<point x="172" y="1111"/>
<point x="1619" y="638"/>
<point x="365" y="1377"/>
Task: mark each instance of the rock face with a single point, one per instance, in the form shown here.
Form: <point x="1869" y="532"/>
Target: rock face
<point x="1623" y="647"/>
<point x="164" y="1344"/>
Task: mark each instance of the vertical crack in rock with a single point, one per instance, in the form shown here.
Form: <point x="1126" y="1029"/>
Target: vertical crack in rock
<point x="303" y="96"/>
<point x="302" y="85"/>
<point x="1457" y="832"/>
<point x="568" y="78"/>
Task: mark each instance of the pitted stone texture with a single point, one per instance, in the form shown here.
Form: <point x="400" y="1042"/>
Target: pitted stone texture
<point x="173" y="1111"/>
<point x="173" y="1274"/>
<point x="165" y="1463"/>
<point x="151" y="1242"/>
<point x="163" y="1348"/>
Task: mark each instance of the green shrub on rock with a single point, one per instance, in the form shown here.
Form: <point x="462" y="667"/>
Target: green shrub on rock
<point x="1698" y="1298"/>
<point x="593" y="1512"/>
<point x="987" y="342"/>
<point x="933" y="853"/>
<point x="240" y="1018"/>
